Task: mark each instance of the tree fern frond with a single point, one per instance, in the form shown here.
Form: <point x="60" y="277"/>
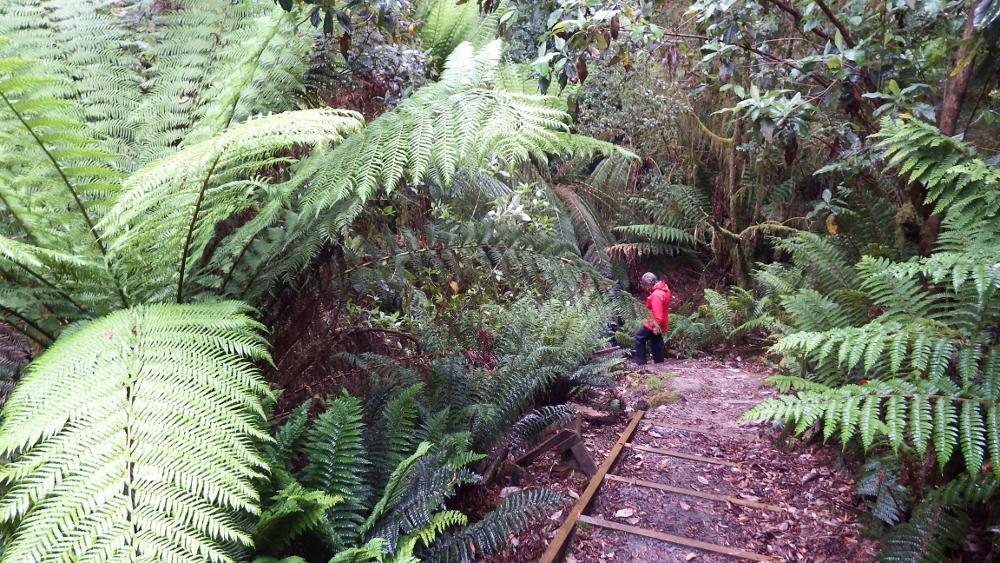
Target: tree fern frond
<point x="52" y="159"/>
<point x="213" y="64"/>
<point x="170" y="208"/>
<point x="447" y="24"/>
<point x="154" y="455"/>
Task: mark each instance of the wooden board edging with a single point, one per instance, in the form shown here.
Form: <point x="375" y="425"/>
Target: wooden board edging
<point x="553" y="552"/>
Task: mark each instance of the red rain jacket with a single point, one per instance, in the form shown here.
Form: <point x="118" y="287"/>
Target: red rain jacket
<point x="658" y="304"/>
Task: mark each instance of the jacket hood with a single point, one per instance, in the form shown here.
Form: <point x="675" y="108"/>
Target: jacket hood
<point x="660" y="285"/>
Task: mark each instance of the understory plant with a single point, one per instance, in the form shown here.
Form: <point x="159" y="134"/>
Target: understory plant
<point x="903" y="357"/>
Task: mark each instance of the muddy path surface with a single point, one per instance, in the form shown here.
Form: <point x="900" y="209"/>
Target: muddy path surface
<point x="818" y="516"/>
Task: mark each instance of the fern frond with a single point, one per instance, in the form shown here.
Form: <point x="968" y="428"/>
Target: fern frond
<point x="336" y="462"/>
<point x="490" y="534"/>
<point x="951" y="418"/>
<point x="52" y="161"/>
<point x="447" y="24"/>
<point x="292" y="511"/>
<point x="134" y="437"/>
<point x="170" y="208"/>
<point x="215" y="64"/>
<point x="931" y="531"/>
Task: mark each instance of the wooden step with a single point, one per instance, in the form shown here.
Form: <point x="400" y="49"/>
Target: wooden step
<point x="705" y="546"/>
<point x="692" y="492"/>
<point x="682" y="455"/>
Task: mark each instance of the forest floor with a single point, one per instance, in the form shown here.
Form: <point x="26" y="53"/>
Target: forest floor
<point x="819" y="518"/>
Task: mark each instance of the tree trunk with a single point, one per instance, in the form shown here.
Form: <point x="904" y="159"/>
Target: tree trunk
<point x="958" y="81"/>
<point x="951" y="109"/>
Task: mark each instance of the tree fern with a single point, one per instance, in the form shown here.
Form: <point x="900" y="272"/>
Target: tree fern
<point x="673" y="212"/>
<point x="463" y="121"/>
<point x="91" y="58"/>
<point x="169" y="209"/>
<point x="214" y="65"/>
<point x="447" y="24"/>
<point x="51" y="162"/>
<point x="134" y="437"/>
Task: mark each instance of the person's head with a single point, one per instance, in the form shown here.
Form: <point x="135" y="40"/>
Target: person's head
<point x="648" y="280"/>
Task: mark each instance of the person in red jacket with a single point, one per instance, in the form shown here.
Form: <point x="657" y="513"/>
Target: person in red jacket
<point x="656" y="324"/>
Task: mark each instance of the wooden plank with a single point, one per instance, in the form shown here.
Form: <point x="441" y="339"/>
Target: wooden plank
<point x="674" y="539"/>
<point x="559" y="441"/>
<point x="583" y="459"/>
<point x="682" y="455"/>
<point x="705" y="431"/>
<point x="693" y="493"/>
<point x="554" y="551"/>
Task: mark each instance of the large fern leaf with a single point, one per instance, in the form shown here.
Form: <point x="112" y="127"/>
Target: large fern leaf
<point x="133" y="438"/>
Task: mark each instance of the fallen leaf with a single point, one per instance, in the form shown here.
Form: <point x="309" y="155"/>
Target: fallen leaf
<point x="690" y="556"/>
<point x="625" y="513"/>
<point x="507" y="491"/>
<point x="685" y="506"/>
<point x="702" y="480"/>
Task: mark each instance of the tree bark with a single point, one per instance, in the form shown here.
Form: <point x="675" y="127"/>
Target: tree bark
<point x="951" y="109"/>
<point x="958" y="81"/>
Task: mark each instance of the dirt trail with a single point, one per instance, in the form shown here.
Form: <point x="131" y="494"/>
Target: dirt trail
<point x="818" y="522"/>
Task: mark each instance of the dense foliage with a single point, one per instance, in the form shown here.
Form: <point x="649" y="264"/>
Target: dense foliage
<point x="838" y="161"/>
<point x="189" y="157"/>
<point x="282" y="281"/>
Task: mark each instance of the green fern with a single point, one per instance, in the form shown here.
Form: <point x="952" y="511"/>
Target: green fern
<point x="447" y="24"/>
<point x="929" y="410"/>
<point x="133" y="437"/>
<point x="336" y="461"/>
<point x="958" y="184"/>
<point x="486" y="536"/>
<point x="927" y="536"/>
<point x="169" y="209"/>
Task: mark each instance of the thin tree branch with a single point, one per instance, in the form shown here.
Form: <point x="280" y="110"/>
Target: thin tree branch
<point x="798" y="16"/>
<point x="836" y="22"/>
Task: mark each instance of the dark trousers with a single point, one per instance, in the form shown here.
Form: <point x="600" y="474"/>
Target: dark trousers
<point x="656" y="345"/>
